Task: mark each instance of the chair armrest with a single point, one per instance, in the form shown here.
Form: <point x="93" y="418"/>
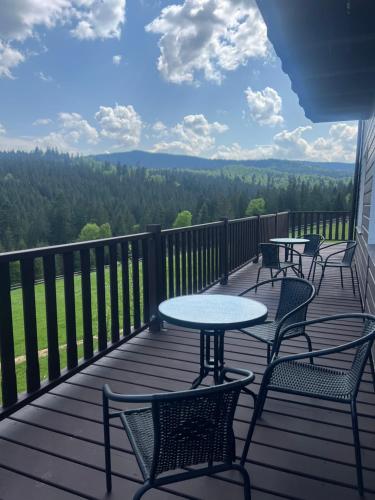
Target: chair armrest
<point x="330" y="350"/>
<point x="126" y="398"/>
<point x="331" y="245"/>
<point x="247" y="375"/>
<point x="336" y="253"/>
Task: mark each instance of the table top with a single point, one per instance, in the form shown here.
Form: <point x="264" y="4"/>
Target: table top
<point x="206" y="311"/>
<point x="289" y="241"/>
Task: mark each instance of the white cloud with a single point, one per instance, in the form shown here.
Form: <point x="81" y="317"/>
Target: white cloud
<point x="338" y="145"/>
<point x="44" y="77"/>
<point x="194" y="135"/>
<point x="264" y="106"/>
<point x="42" y="121"/>
<point x="20" y="19"/>
<point x="116" y="60"/>
<point x="100" y="19"/>
<point x="121" y="123"/>
<point x="9" y="59"/>
<point x="75" y="128"/>
<point x="236" y="152"/>
<point x="209" y="36"/>
<point x="2" y="129"/>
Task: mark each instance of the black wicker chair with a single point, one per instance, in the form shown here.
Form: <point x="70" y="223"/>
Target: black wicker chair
<point x="312" y="247"/>
<point x="270" y="253"/>
<point x="291" y="375"/>
<point x="333" y="260"/>
<point x="295" y="296"/>
<point x="178" y="430"/>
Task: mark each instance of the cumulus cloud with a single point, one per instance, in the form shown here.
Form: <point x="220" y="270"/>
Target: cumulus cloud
<point x="116" y="60"/>
<point x="338" y="145"/>
<point x="99" y="19"/>
<point x="209" y="36"/>
<point x="264" y="106"/>
<point x="75" y="128"/>
<point x="9" y="59"/>
<point x="20" y="19"/>
<point x="2" y="129"/>
<point x="194" y="135"/>
<point x="42" y="121"/>
<point x="121" y="123"/>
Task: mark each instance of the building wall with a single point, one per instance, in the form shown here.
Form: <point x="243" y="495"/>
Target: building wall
<point x="365" y="256"/>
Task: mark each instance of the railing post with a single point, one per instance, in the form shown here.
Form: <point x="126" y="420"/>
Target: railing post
<point x="276" y="223"/>
<point x="256" y="260"/>
<point x="155" y="282"/>
<point x="224" y="251"/>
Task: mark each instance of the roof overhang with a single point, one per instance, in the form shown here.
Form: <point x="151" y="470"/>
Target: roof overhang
<point x="327" y="47"/>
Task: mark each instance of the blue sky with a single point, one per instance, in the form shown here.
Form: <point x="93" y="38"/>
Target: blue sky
<point x="191" y="76"/>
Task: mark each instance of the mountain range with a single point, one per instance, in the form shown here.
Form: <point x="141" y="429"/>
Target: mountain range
<point x="173" y="161"/>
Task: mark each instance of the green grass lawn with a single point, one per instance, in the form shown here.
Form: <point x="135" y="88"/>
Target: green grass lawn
<point x="18" y="320"/>
<point x="327" y="232"/>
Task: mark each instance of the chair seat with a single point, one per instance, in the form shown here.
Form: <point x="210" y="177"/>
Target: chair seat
<point x="140" y="430"/>
<point x="264" y="332"/>
<point x="307" y="379"/>
<point x="333" y="263"/>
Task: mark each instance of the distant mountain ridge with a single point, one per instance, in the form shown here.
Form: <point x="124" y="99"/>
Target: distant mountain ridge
<point x="173" y="161"/>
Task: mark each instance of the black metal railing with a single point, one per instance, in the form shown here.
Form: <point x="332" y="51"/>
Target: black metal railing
<point x="51" y="326"/>
<point x="334" y="226"/>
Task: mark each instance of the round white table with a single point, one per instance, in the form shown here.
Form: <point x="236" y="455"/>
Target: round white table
<point x="212" y="315"/>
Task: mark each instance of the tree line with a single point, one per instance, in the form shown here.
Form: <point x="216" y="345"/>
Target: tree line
<point x="48" y="198"/>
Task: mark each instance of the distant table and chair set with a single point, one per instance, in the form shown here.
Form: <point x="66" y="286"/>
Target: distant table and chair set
<point x="195" y="426"/>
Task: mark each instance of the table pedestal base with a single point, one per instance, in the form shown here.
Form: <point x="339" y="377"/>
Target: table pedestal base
<point x="209" y="365"/>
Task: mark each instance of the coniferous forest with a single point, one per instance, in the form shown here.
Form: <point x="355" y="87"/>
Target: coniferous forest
<point x="46" y="198"/>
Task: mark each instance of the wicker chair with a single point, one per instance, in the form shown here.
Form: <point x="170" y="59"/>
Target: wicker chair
<point x="178" y="430"/>
<point x="295" y="296"/>
<point x="270" y="253"/>
<point x="311" y="249"/>
<point x="346" y="254"/>
<point x="291" y="375"/>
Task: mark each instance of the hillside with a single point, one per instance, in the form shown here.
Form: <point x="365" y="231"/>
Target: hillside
<point x="170" y="161"/>
<point x="47" y="198"/>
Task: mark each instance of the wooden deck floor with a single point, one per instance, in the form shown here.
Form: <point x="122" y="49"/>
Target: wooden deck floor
<point x="52" y="449"/>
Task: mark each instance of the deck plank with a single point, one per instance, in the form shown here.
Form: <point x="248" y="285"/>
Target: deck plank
<point x="302" y="448"/>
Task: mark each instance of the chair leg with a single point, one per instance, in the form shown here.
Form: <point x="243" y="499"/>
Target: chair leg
<point x="311" y="266"/>
<point x="309" y="345"/>
<point x="139" y="493"/>
<point x="258" y="410"/>
<point x="271" y="276"/>
<point x="268" y="354"/>
<point x="321" y="279"/>
<point x="246" y="480"/>
<point x="258" y="275"/>
<point x="372" y="367"/>
<point x="313" y="278"/>
<point x="107" y="445"/>
<point x="342" y="280"/>
<point x="357" y="446"/>
<point x="351" y="272"/>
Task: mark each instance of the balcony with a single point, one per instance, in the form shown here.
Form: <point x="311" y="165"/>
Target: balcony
<point x="107" y="331"/>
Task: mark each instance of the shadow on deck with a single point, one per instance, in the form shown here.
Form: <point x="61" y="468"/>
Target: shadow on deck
<point x="52" y="448"/>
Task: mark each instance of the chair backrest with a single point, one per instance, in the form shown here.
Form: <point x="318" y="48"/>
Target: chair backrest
<point x="313" y="244"/>
<point x="361" y="355"/>
<point x="349" y="252"/>
<point x="294" y="293"/>
<point x="270" y="255"/>
<point x="194" y="428"/>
